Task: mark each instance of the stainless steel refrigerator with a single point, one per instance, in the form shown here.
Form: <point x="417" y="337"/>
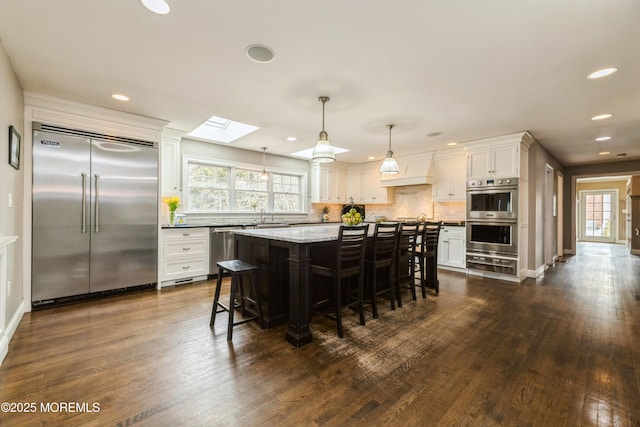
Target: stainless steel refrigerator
<point x="95" y="213"/>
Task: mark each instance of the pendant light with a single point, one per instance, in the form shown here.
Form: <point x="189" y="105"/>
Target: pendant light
<point x="264" y="176"/>
<point x="389" y="165"/>
<point x="323" y="152"/>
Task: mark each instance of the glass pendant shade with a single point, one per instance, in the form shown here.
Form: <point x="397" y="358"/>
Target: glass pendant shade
<point x="389" y="165"/>
<point x="323" y="151"/>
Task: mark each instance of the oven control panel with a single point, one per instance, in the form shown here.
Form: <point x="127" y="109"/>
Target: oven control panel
<point x="492" y="182"/>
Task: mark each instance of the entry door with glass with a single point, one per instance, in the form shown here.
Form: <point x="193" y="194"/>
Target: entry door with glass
<point x="598" y="216"/>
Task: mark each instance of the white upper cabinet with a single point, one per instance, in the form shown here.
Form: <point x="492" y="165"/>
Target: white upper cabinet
<point x="328" y="183"/>
<point x="493" y="162"/>
<point x="498" y="157"/>
<point x="170" y="162"/>
<point x="372" y="191"/>
<point x="449" y="176"/>
<point x="354" y="185"/>
<point x="364" y="185"/>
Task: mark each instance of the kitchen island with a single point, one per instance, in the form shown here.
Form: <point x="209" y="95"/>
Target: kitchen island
<point x="283" y="256"/>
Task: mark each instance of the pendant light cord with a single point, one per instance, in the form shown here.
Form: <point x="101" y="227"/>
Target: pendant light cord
<point x="390" y="127"/>
<point x="323" y="99"/>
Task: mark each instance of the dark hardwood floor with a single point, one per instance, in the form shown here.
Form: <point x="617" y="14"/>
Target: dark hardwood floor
<point x="560" y="350"/>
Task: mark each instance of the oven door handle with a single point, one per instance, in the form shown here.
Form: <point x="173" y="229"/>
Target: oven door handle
<point x="491" y="221"/>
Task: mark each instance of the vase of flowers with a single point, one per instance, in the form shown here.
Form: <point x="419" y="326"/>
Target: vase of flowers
<point x="172" y="203"/>
<point x="325" y="214"/>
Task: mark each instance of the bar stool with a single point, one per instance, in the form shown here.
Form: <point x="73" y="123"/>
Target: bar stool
<point x="406" y="260"/>
<point x="237" y="269"/>
<point x="348" y="263"/>
<point x="382" y="255"/>
<point x="427" y="254"/>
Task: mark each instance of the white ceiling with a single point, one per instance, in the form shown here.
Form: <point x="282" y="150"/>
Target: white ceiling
<point x="468" y="69"/>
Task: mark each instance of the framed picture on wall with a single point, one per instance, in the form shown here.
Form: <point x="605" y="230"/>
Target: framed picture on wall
<point x="14" y="147"/>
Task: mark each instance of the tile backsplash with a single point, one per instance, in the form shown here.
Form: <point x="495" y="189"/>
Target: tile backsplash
<point x="450" y="210"/>
<point x="408" y="202"/>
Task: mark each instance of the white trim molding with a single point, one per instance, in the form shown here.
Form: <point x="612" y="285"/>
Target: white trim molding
<point x="5" y="332"/>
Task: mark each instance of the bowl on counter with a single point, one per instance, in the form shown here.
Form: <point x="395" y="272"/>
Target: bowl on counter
<point x="380" y="218"/>
<point x="351" y="220"/>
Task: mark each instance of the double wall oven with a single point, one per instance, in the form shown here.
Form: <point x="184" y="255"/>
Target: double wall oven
<point x="492" y="225"/>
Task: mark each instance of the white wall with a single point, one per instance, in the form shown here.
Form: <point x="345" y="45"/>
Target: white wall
<point x="539" y="157"/>
<point x="11" y="181"/>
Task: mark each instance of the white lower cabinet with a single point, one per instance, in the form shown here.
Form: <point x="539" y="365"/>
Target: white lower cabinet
<point x="452" y="248"/>
<point x="185" y="255"/>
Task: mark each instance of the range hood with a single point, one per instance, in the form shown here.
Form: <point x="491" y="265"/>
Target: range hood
<point x="414" y="170"/>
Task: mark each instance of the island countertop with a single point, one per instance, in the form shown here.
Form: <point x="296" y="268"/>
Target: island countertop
<point x="311" y="234"/>
<point x="294" y="235"/>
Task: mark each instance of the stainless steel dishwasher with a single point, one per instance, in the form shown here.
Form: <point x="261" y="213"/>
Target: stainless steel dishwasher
<point x="220" y="246"/>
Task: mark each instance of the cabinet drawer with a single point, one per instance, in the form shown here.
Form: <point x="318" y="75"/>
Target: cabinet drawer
<point x="185" y="233"/>
<point x="173" y="248"/>
<point x="189" y="267"/>
<point x="452" y="230"/>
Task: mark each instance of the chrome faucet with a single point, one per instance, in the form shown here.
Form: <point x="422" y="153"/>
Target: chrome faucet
<point x="262" y="215"/>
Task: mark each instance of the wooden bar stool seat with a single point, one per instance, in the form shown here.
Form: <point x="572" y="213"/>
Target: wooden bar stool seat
<point x="238" y="269"/>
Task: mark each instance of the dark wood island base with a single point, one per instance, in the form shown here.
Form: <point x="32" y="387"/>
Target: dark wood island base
<point x="283" y="257"/>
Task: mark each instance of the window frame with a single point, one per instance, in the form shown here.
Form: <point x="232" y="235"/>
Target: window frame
<point x="233" y="202"/>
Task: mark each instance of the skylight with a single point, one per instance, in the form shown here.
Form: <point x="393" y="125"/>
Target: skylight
<point x="219" y="129"/>
<point x="306" y="154"/>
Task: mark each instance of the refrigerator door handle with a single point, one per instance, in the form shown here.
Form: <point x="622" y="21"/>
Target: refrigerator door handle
<point x="84" y="203"/>
<point x="97" y="195"/>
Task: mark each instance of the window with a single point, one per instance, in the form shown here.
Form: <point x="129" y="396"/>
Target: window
<point x="287" y="195"/>
<point x="208" y="188"/>
<point x="251" y="193"/>
<point x="213" y="187"/>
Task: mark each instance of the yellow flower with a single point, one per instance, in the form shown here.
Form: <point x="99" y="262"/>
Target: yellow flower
<point x="172" y="202"/>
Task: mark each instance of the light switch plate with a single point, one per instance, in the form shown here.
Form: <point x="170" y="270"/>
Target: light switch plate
<point x="10" y="200"/>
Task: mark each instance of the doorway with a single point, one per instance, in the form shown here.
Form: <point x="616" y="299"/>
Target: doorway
<point x="549" y="216"/>
<point x="598" y="210"/>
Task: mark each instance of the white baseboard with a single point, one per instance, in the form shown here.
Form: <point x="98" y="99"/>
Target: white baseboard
<point x="535" y="273"/>
<point x="183" y="281"/>
<point x="492" y="275"/>
<point x="450" y="268"/>
<point x="7" y="334"/>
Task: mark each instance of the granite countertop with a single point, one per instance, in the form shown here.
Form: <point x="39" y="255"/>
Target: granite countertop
<point x="309" y="234"/>
<point x="247" y="224"/>
<point x="447" y="222"/>
<point x="295" y="235"/>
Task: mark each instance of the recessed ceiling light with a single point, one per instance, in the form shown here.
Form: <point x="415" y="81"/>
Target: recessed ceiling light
<point x="602" y="116"/>
<point x="452" y="143"/>
<point x="156" y="6"/>
<point x="259" y="53"/>
<point x="604" y="153"/>
<point x="292" y="139"/>
<point x="434" y="134"/>
<point x="602" y="73"/>
<point x="371" y="158"/>
<point x="119" y="97"/>
<point x="603" y="138"/>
